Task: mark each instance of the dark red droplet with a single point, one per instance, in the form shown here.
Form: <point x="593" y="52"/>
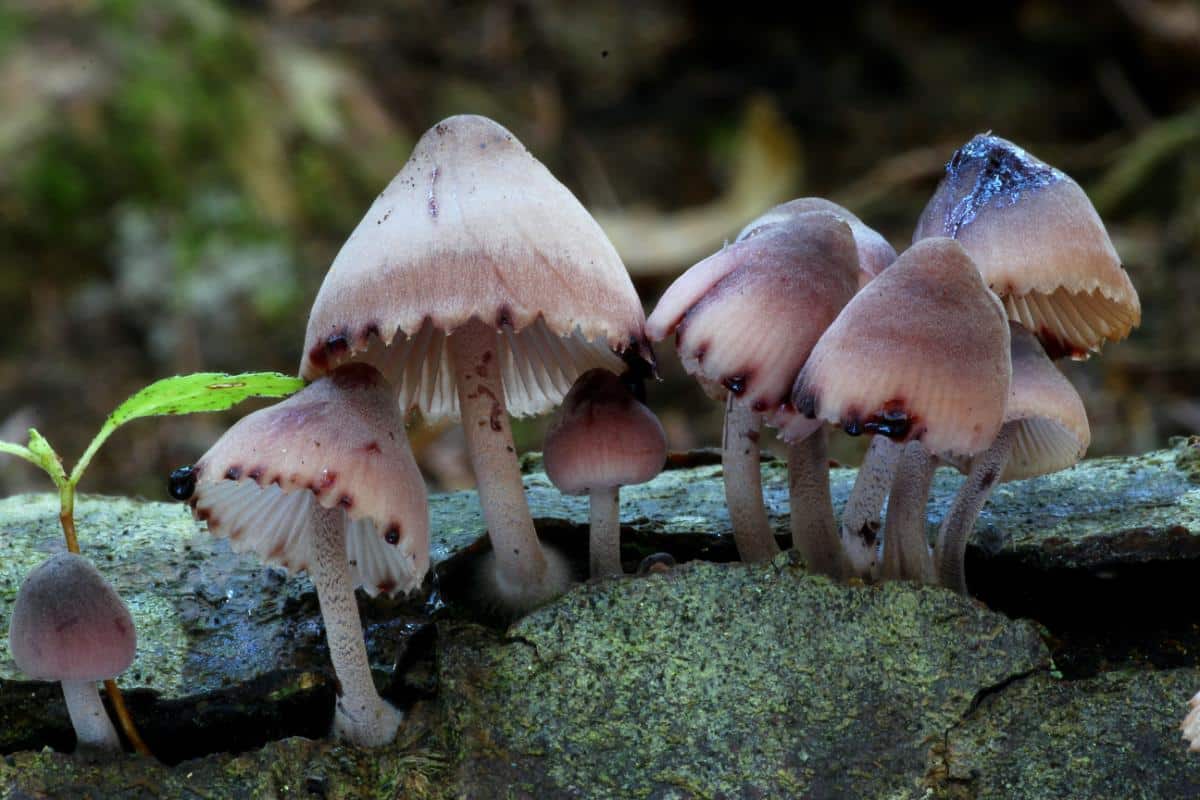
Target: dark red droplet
<point x="338" y="343"/>
<point x="806" y="404"/>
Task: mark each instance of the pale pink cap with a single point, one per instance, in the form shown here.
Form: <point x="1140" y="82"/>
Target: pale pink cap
<point x="875" y="253"/>
<point x="68" y="624"/>
<point x="1052" y="431"/>
<point x="339" y="443"/>
<point x="920" y="353"/>
<point x="747" y="316"/>
<point x="475" y="226"/>
<point x="1039" y="243"/>
<point x="603" y="437"/>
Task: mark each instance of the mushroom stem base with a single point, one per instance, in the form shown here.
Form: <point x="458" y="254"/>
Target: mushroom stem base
<point x="814" y="532"/>
<point x="986" y="469"/>
<point x="361" y="716"/>
<point x="743" y="484"/>
<point x="905" y="544"/>
<point x="863" y="516"/>
<point x="93" y="729"/>
<point x="521" y="578"/>
<point x="605" y="543"/>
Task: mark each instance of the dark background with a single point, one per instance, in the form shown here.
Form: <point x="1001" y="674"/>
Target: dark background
<point x="175" y="177"/>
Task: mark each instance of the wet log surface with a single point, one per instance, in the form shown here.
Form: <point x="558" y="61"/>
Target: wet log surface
<point x="715" y="679"/>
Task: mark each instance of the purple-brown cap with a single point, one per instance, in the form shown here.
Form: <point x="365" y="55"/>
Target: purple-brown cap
<point x="1039" y="243"/>
<point x="340" y="443"/>
<point x="875" y="253"/>
<point x="475" y="226"/>
<point x="603" y="437"/>
<point x="921" y="352"/>
<point x="747" y="316"/>
<point x="68" y="624"/>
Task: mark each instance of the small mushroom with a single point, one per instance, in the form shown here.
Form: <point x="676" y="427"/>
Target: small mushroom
<point x="1039" y="243"/>
<point x="481" y="288"/>
<point x="1191" y="724"/>
<point x="69" y="625"/>
<point x="324" y="481"/>
<point x="1045" y="430"/>
<point x="744" y="321"/>
<point x="921" y="356"/>
<point x="603" y="439"/>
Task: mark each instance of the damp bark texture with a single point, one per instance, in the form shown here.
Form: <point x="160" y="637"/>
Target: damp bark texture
<point x="743" y="484"/>
<point x="814" y="532"/>
<point x="361" y="716"/>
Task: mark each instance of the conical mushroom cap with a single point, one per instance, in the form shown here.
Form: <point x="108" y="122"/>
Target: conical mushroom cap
<point x="1039" y="243"/>
<point x="921" y="352"/>
<point x="603" y="437"/>
<point x="340" y="443"/>
<point x="747" y="316"/>
<point x="68" y="624"/>
<point x="475" y="226"/>
<point x="875" y="253"/>
<point x="1052" y="430"/>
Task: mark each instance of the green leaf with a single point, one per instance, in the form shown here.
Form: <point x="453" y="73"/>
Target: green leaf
<point x="47" y="458"/>
<point x="40" y="454"/>
<point x="203" y="391"/>
<point x="188" y="394"/>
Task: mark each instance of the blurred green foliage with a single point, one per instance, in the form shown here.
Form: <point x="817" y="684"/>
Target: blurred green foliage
<point x="176" y="175"/>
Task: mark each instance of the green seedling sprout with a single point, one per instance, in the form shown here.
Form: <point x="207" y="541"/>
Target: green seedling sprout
<point x="182" y="394"/>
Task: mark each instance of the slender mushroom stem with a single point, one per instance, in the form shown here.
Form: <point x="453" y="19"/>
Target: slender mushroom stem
<point x="743" y="484"/>
<point x="93" y="729"/>
<point x="905" y="545"/>
<point x="863" y="515"/>
<point x="605" y="546"/>
<point x="814" y="532"/>
<point x="361" y="716"/>
<point x="519" y="556"/>
<point x="986" y="469"/>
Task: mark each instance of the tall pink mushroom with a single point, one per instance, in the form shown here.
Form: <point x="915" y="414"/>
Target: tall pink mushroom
<point x="482" y="288"/>
<point x="744" y="321"/>
<point x="324" y="482"/>
<point x="69" y="625"/>
<point x="861" y="517"/>
<point x="920" y="355"/>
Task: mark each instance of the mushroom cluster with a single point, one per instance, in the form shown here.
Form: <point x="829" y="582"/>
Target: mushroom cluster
<point x="944" y="355"/>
